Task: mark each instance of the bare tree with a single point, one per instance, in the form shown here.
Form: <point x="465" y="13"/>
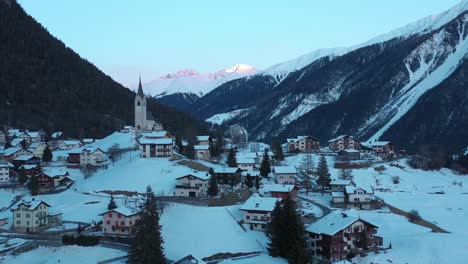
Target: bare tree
<point x="306" y="170"/>
<point x="346" y="174"/>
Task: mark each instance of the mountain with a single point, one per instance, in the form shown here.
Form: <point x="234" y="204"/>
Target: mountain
<point x="405" y="86"/>
<point x="46" y="85"/>
<point x="183" y="88"/>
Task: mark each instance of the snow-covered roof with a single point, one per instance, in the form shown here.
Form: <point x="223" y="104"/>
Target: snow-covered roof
<point x="88" y="140"/>
<point x="252" y="155"/>
<point x="201" y="147"/>
<point x="123" y="211"/>
<point x="200" y="175"/>
<point x="225" y="170"/>
<point x="350" y="150"/>
<point x="31" y="205"/>
<point x="189" y="260"/>
<point x="352" y="189"/>
<point x="4" y="164"/>
<point x="10" y="151"/>
<point x="331" y="223"/>
<point x="155" y="134"/>
<point x="270" y="153"/>
<point x="340" y="182"/>
<point x="156" y="141"/>
<point x="203" y="138"/>
<point x="23" y="157"/>
<point x="34" y="133"/>
<point x="340" y="137"/>
<point x="284" y="169"/>
<point x="256" y="203"/>
<point x="338" y="194"/>
<point x="244" y="160"/>
<point x="91" y="149"/>
<point x="16" y="141"/>
<point x="277" y="188"/>
<point x="28" y="166"/>
<point x="379" y="143"/>
<point x="57" y="134"/>
<point x="71" y="142"/>
<point x="55" y="171"/>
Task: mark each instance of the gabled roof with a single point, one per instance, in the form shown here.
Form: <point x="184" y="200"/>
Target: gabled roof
<point x="340" y="137"/>
<point x="189" y="260"/>
<point x="57" y="134"/>
<point x="277" y="188"/>
<point x="201" y="147"/>
<point x="352" y="189"/>
<point x="123" y="211"/>
<point x="24" y="158"/>
<point x="35" y="133"/>
<point x="341" y="182"/>
<point x="227" y="170"/>
<point x="203" y="138"/>
<point x="55" y="171"/>
<point x="201" y="176"/>
<point x="245" y="161"/>
<point x="31" y="205"/>
<point x="10" y="151"/>
<point x="349" y="150"/>
<point x="284" y="169"/>
<point x="156" y="141"/>
<point x="256" y="203"/>
<point x="91" y="149"/>
<point x="28" y="167"/>
<point x="155" y="134"/>
<point x="88" y="140"/>
<point x="71" y="142"/>
<point x="333" y="223"/>
<point x="338" y="195"/>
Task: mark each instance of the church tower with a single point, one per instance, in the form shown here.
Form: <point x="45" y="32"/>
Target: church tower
<point x="140" y="108"/>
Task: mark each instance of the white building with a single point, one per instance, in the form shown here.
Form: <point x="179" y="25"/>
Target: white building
<point x="36" y="136"/>
<point x="157" y="147"/>
<point x="119" y="221"/>
<point x="143" y="118"/>
<point x="4" y="171"/>
<point x="37" y="149"/>
<point x="69" y="144"/>
<point x="284" y="174"/>
<point x="246" y="164"/>
<point x="92" y="155"/>
<point x="359" y="197"/>
<point x="192" y="185"/>
<point x="203" y="140"/>
<point x="257" y="211"/>
<point x="202" y="151"/>
<point x="30" y="216"/>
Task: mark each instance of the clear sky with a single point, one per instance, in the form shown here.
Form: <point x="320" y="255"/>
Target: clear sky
<point x="125" y="38"/>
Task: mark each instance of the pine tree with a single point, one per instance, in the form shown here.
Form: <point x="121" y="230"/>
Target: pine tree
<point x="190" y="151"/>
<point x="219" y="144"/>
<point x="33" y="185"/>
<point x="278" y="151"/>
<point x="306" y="169"/>
<point x="212" y="149"/>
<point x="323" y="175"/>
<point x="275" y="231"/>
<point x="249" y="181"/>
<point x="265" y="167"/>
<point x="213" y="188"/>
<point x="7" y="144"/>
<point x="111" y="204"/>
<point x="47" y="155"/>
<point x="257" y="182"/>
<point x="178" y="143"/>
<point x="231" y="160"/>
<point x="148" y="244"/>
<point x="22" y="178"/>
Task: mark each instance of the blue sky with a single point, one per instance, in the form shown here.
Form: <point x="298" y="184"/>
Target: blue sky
<point x="153" y="37"/>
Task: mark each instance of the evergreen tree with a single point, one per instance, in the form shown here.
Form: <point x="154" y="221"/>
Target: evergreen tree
<point x="257" y="182"/>
<point x="265" y="167"/>
<point x="33" y="185"/>
<point x="111" y="204"/>
<point x="7" y="144"/>
<point x="306" y="170"/>
<point x="190" y="151"/>
<point x="212" y="149"/>
<point x="47" y="155"/>
<point x="148" y="244"/>
<point x="276" y="231"/>
<point x="231" y="160"/>
<point x="323" y="175"/>
<point x="22" y="178"/>
<point x="24" y="144"/>
<point x="249" y="181"/>
<point x="278" y="151"/>
<point x="178" y="143"/>
<point x="219" y="144"/>
<point x="213" y="188"/>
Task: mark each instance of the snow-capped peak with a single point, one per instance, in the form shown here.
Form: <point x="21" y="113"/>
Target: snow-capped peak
<point x="241" y="69"/>
<point x="181" y="73"/>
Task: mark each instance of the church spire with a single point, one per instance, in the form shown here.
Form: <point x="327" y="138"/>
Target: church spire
<point x="140" y="89"/>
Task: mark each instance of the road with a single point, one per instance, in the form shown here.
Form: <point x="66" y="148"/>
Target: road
<point x="324" y="209"/>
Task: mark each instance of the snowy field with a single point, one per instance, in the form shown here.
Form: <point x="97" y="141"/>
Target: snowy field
<point x="66" y="254"/>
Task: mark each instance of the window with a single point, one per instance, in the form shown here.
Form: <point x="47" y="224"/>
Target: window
<point x="119" y="216"/>
<point x="247" y="217"/>
<point x="37" y="222"/>
<point x="27" y="222"/>
<point x="110" y="215"/>
<point x="18" y="215"/>
<point x="18" y="222"/>
<point x="122" y="222"/>
<point x="108" y="222"/>
<point x="130" y="222"/>
<point x="28" y="215"/>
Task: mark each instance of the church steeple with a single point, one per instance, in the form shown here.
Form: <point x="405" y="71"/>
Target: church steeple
<point x="140" y="89"/>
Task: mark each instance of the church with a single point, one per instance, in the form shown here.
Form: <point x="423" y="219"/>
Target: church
<point x="144" y="119"/>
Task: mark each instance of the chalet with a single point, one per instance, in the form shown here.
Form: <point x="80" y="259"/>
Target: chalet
<point x="340" y="185"/>
<point x="284" y="174"/>
<point x="69" y="144"/>
<point x="202" y="152"/>
<point x="335" y="235"/>
<point x="2" y="137"/>
<point x="246" y="164"/>
<point x="60" y="176"/>
<point x="189" y="260"/>
<point x="338" y="199"/>
<point x="348" y="155"/>
<point x="204" y="140"/>
<point x="231" y="176"/>
<point x="279" y="190"/>
<point x="119" y="221"/>
<point x="74" y="158"/>
<point x="303" y="144"/>
<point x="31" y="217"/>
<point x="31" y="169"/>
<point x="10" y="154"/>
<point x="192" y="185"/>
<point x="37" y="149"/>
<point x="52" y="179"/>
<point x="156" y="134"/>
<point x="344" y="142"/>
<point x="92" y="155"/>
<point x="4" y="171"/>
<point x="45" y="182"/>
<point x="156" y="147"/>
<point x="383" y="149"/>
<point x="87" y="141"/>
<point x="26" y="160"/>
<point x="257" y="211"/>
<point x="37" y="136"/>
<point x="260" y="156"/>
<point x="359" y="197"/>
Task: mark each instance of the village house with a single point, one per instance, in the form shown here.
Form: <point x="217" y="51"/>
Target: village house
<point x="303" y="144"/>
<point x="31" y="169"/>
<point x="93" y="156"/>
<point x="74" y="158"/>
<point x="60" y="176"/>
<point x="24" y="136"/>
<point x="344" y="142"/>
<point x="36" y="136"/>
<point x="10" y="154"/>
<point x="339" y="185"/>
<point x="204" y="140"/>
<point x="202" y="152"/>
<point x="230" y="176"/>
<point x="383" y="149"/>
<point x="259" y="156"/>
<point x="348" y="155"/>
<point x="87" y="141"/>
<point x="119" y="221"/>
<point x="246" y="164"/>
<point x="284" y="174"/>
<point x="336" y="234"/>
<point x="31" y="217"/>
<point x="359" y="197"/>
<point x="279" y="191"/>
<point x="192" y="185"/>
<point x="69" y="144"/>
<point x="13" y="133"/>
<point x="156" y="147"/>
<point x="257" y="211"/>
<point x="338" y="199"/>
<point x="37" y="149"/>
<point x="156" y="134"/>
<point x="26" y="160"/>
<point x="2" y="137"/>
<point x="4" y="172"/>
<point x="52" y="180"/>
